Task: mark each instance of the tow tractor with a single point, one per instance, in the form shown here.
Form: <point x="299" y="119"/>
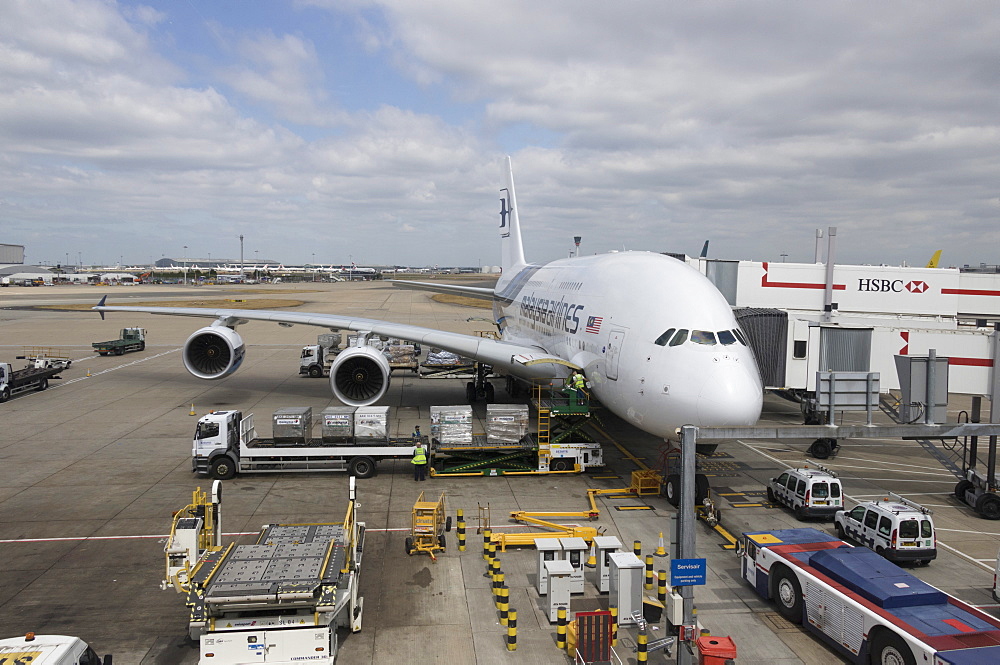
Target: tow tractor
<point x="280" y="600"/>
<point x="865" y="607"/>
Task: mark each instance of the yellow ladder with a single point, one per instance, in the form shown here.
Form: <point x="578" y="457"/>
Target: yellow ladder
<point x="544" y="429"/>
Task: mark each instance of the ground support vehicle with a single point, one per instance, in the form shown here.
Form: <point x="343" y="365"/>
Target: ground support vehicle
<point x="226" y="443"/>
<point x="14" y="381"/>
<point x="428" y="524"/>
<point x="316" y="359"/>
<point x="808" y="491"/>
<point x="131" y="339"/>
<point x="280" y="600"/>
<point x="477" y="457"/>
<point x="896" y="528"/>
<point x="863" y="606"/>
<point x="45" y="357"/>
<point x="49" y="650"/>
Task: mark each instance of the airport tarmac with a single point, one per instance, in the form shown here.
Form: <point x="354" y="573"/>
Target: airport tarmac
<point x="93" y="467"/>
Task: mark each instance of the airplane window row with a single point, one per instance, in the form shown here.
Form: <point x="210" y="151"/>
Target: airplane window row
<point x="675" y="337"/>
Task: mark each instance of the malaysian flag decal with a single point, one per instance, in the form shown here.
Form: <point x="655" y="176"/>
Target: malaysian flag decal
<point x="594" y="324"/>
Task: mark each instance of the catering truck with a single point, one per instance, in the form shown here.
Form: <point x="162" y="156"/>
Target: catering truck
<point x="865" y="607"/>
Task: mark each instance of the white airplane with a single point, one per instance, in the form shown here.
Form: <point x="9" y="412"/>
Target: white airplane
<point x="655" y="338"/>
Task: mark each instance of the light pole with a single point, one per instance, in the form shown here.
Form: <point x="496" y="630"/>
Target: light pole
<point x="783" y="255"/>
<point x="241" y="257"/>
<point x="185" y="265"/>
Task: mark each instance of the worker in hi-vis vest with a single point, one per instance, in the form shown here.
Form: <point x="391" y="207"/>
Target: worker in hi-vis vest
<point x="419" y="462"/>
<point x="577" y="383"/>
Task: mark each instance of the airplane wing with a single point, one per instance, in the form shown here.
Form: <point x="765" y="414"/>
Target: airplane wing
<point x="453" y="289"/>
<point x="494" y="352"/>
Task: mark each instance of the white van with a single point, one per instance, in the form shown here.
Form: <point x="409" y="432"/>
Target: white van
<point x="49" y="650"/>
<point x="808" y="491"/>
<point x="896" y="528"/>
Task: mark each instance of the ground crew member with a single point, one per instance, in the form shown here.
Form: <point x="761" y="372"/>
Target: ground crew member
<point x="577" y="383"/>
<point x="416" y="433"/>
<point x="419" y="462"/>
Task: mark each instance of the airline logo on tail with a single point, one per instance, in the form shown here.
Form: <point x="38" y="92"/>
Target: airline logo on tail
<point x="504" y="211"/>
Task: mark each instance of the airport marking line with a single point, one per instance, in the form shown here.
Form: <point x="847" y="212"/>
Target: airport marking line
<point x="940" y="544"/>
<point x="164" y="536"/>
<point x="110" y="369"/>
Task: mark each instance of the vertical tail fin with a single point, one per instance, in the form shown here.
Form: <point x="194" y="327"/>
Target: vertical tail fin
<point x="511" y="250"/>
<point x="704" y="251"/>
<point x="933" y="263"/>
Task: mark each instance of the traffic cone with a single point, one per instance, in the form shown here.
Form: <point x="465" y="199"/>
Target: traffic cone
<point x="88" y="372"/>
<point x="661" y="551"/>
<point x="192" y="410"/>
<point x="592" y="559"/>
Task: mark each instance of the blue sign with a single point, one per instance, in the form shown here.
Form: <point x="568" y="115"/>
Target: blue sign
<point x="687" y="572"/>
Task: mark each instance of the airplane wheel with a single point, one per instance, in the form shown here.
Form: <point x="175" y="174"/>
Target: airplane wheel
<point x="470" y="392"/>
<point x="700" y="487"/>
<point x="673" y="489"/>
<point x="988" y="506"/>
<point x="822" y="448"/>
<point x="490" y="394"/>
<point x="788" y="595"/>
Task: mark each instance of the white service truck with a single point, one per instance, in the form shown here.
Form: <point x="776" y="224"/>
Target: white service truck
<point x="226" y="443"/>
<point x="49" y="650"/>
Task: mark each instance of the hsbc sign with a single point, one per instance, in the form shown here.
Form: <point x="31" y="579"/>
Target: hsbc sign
<point x="891" y="285"/>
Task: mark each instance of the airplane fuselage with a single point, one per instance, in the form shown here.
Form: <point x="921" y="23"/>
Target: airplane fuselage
<point x="607" y="313"/>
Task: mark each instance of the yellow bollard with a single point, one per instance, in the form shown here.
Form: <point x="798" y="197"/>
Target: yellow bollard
<point x="637" y="547"/>
<point x="561" y="628"/>
<point x="642" y="652"/>
<point x="661" y="587"/>
<point x="614" y="626"/>
<point x="649" y="572"/>
<point x="486" y="543"/>
<point x="504" y="604"/>
<point x="512" y="630"/>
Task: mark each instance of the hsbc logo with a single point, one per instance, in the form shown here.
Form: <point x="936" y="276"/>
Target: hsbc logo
<point x="892" y="286"/>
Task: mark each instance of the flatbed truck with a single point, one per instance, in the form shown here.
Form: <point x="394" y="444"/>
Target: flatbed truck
<point x="226" y="443"/>
<point x="130" y="339"/>
<point x="281" y="600"/>
<point x="867" y="608"/>
<point x="34" y="377"/>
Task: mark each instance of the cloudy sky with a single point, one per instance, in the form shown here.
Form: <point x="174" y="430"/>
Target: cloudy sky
<point x="374" y="131"/>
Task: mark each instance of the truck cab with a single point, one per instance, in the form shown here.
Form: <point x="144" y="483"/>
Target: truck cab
<point x="896" y="528"/>
<point x="49" y="650"/>
<point x="215" y="434"/>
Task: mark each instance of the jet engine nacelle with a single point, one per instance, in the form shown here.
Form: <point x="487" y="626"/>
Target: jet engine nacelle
<point x="359" y="376"/>
<point x="213" y="352"/>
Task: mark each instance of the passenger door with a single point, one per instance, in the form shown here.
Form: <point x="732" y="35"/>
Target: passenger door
<point x="869" y="529"/>
<point x="615" y="341"/>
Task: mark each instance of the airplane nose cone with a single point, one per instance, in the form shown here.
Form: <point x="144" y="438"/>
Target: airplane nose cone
<point x="730" y="397"/>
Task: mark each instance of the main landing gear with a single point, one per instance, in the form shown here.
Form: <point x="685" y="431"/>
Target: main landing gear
<point x="480" y="389"/>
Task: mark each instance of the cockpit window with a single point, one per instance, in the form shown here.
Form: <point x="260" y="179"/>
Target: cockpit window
<point x="665" y="337"/>
<point x="726" y="337"/>
<point x="703" y="337"/>
<point x="739" y="336"/>
<point x="679" y="338"/>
